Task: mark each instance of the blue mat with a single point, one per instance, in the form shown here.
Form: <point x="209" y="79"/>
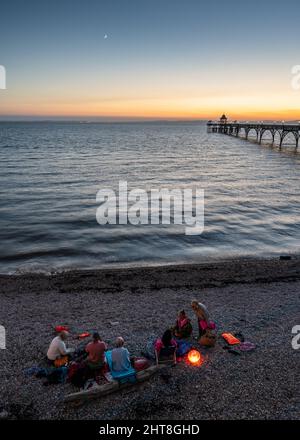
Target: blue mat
<point x="120" y="376"/>
<point x="183" y="347"/>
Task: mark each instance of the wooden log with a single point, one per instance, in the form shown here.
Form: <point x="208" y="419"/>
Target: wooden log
<point x="111" y="387"/>
<point x="94" y="392"/>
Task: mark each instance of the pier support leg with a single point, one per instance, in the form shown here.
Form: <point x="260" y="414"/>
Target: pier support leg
<point x="273" y="136"/>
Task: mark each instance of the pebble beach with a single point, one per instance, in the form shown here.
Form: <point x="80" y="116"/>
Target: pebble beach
<point x="259" y="298"/>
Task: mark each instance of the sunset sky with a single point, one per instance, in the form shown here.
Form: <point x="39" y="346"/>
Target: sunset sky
<point x="132" y="59"/>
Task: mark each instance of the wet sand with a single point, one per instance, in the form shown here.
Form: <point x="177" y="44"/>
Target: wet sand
<point x="259" y="298"/>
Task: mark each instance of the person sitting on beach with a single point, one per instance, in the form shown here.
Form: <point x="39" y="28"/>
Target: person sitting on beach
<point x="57" y="348"/>
<point x="166" y="341"/>
<point x="204" y="324"/>
<point x="120" y="356"/>
<point x="96" y="350"/>
<point x="183" y="328"/>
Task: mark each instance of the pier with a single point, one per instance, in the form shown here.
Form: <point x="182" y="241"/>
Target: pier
<point x="243" y="129"/>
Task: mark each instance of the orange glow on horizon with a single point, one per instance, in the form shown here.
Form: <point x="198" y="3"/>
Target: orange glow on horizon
<point x="276" y="107"/>
<point x="161" y="115"/>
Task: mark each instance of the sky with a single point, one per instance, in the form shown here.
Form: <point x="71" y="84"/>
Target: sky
<point x="142" y="59"/>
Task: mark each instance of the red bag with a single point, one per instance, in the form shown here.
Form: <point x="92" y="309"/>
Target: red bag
<point x="141" y="363"/>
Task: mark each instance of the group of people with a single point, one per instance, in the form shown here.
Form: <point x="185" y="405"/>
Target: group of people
<point x="58" y="352"/>
<point x="121" y="360"/>
<point x="183" y="327"/>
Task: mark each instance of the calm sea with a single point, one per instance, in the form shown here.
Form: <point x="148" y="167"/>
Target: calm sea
<point x="50" y="174"/>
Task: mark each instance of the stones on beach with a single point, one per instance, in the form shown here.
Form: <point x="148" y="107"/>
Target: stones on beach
<point x="4" y="415"/>
<point x="18" y="411"/>
<point x="259" y="385"/>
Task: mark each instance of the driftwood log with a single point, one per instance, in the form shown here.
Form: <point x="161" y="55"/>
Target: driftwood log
<point x="111" y="387"/>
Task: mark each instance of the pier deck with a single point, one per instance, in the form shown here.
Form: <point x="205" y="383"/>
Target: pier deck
<point x="244" y="128"/>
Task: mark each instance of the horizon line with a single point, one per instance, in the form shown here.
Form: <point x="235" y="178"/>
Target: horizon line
<point x="127" y="120"/>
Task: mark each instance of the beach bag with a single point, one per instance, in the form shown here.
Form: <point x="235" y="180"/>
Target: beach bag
<point x="78" y="375"/>
<point x="208" y="339"/>
<point x="141" y="363"/>
<point x="61" y="362"/>
<point x="72" y="369"/>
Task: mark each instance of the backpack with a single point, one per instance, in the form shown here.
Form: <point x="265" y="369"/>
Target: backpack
<point x="78" y="374"/>
<point x="208" y="339"/>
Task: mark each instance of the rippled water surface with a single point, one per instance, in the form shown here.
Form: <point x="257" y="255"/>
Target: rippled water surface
<point x="50" y="174"/>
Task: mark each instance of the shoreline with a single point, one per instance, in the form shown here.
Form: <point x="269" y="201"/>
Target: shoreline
<point x="216" y="273"/>
<point x="259" y="298"/>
